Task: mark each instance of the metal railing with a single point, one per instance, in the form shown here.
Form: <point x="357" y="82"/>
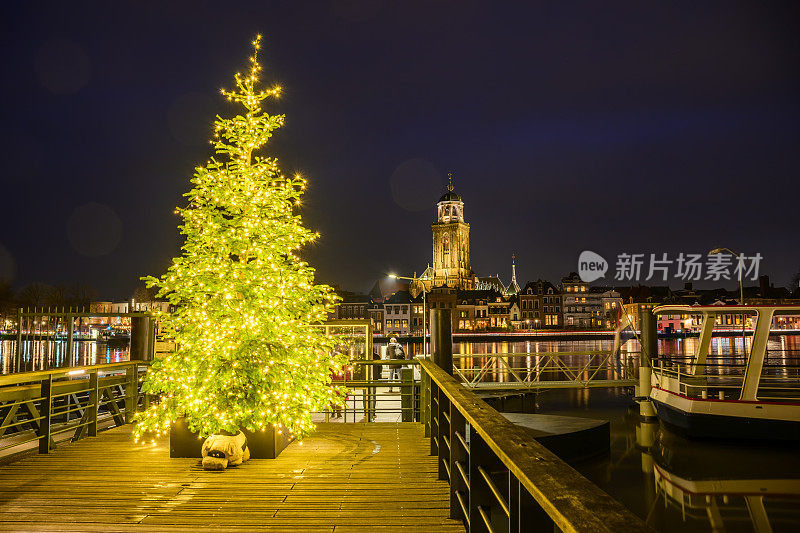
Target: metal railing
<point x="41" y="405"/>
<point x="372" y="399"/>
<point x="45" y="338"/>
<point x="501" y="479"/>
<point x="577" y="369"/>
<point x="724" y="379"/>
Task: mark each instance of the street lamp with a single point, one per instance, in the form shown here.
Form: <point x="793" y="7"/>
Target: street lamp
<point x="716" y="251"/>
<point x="741" y="288"/>
<point x="424" y="321"/>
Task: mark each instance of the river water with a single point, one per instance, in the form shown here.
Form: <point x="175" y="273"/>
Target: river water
<point x="46" y="354"/>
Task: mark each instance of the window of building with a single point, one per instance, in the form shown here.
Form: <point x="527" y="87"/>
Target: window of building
<point x="536" y="304"/>
<point x="405" y="322"/>
<point x="583" y="288"/>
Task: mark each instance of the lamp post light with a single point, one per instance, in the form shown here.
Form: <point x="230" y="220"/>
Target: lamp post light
<point x="741" y="287"/>
<point x="424" y="316"/>
<point x="716" y="251"/>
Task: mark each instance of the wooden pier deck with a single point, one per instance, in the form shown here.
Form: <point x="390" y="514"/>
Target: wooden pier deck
<point x="344" y="478"/>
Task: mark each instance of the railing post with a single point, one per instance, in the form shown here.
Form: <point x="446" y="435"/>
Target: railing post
<point x="443" y="441"/>
<point x="442" y="339"/>
<point x="69" y="323"/>
<point x="459" y="469"/>
<point x="93" y="406"/>
<point x="525" y="514"/>
<point x="482" y="502"/>
<point x="424" y="405"/>
<point x="44" y="413"/>
<point x="407" y="394"/>
<point x="433" y="416"/>
<point x="18" y="358"/>
<point x="132" y="392"/>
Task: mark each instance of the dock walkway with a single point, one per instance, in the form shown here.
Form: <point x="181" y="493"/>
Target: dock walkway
<point x="345" y="477"/>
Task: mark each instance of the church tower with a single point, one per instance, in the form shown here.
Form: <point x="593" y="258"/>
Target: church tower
<point x="451" y="264"/>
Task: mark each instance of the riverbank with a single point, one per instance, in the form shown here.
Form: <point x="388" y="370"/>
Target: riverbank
<point x="570" y="335"/>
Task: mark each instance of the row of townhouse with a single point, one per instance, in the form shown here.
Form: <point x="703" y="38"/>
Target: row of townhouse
<point x="538" y="305"/>
<point x="638" y="297"/>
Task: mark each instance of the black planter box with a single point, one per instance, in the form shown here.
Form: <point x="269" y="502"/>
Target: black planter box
<point x="267" y="444"/>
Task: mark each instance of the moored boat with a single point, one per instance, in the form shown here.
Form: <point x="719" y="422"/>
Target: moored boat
<point x="752" y="397"/>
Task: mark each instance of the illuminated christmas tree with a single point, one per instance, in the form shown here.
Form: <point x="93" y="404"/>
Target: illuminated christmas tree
<point x="245" y="302"/>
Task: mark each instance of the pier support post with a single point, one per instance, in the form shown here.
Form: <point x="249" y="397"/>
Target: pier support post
<point x="645" y="440"/>
<point x="649" y="327"/>
<point x="140" y="338"/>
<point x="442" y="339"/>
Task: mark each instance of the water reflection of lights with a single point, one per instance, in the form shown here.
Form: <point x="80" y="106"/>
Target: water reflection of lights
<point x="45" y="354"/>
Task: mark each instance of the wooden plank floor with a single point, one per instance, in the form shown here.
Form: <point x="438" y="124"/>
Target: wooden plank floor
<point x="344" y="478"/>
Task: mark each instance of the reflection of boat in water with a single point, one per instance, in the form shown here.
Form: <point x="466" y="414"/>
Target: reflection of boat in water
<point x="728" y="486"/>
<point x="114" y="335"/>
<point x="758" y="398"/>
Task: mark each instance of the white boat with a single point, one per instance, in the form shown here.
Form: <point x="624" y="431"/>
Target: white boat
<point x="751" y="397"/>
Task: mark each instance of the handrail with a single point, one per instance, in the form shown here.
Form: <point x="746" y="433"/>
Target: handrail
<point x="36" y="375"/>
<point x="39" y="406"/>
<point x="570" y="500"/>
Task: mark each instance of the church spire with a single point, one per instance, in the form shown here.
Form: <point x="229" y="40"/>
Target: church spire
<point x="513" y="287"/>
<point x="450" y="181"/>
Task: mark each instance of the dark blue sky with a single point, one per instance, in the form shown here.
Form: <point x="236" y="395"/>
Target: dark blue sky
<point x="615" y="127"/>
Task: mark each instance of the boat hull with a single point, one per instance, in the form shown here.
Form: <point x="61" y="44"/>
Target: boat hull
<point x="714" y="426"/>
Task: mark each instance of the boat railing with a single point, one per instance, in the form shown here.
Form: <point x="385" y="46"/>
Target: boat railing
<point x="723" y="379"/>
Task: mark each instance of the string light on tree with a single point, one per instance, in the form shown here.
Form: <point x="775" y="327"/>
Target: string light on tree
<point x="248" y="355"/>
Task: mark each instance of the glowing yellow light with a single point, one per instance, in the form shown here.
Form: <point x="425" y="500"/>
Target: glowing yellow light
<point x="243" y="299"/>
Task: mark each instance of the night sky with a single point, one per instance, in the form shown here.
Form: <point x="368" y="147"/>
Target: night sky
<point x="608" y="126"/>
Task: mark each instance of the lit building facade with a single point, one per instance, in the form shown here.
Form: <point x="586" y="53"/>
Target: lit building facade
<point x="451" y="255"/>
